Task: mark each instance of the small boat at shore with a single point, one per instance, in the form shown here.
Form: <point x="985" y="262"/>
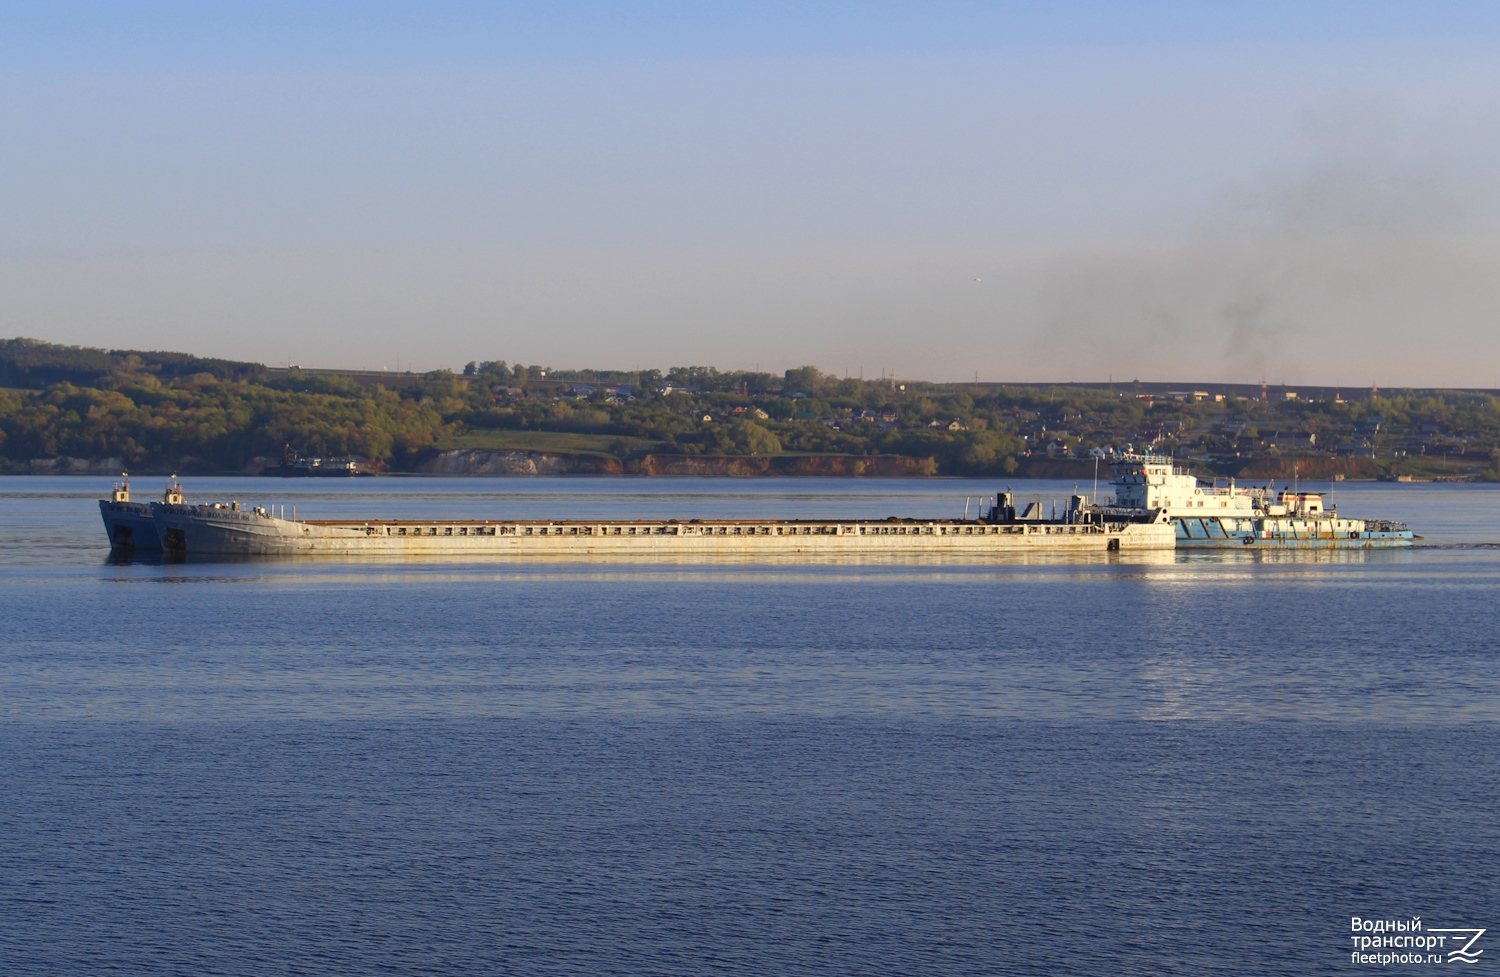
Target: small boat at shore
<point x="295" y="465"/>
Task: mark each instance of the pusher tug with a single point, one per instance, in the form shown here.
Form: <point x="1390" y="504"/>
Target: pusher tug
<point x="1228" y="516"/>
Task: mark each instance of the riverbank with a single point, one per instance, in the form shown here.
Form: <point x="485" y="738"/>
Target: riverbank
<point x="523" y="464"/>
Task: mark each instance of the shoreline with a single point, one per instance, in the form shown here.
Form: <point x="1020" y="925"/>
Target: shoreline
<point x="519" y="464"/>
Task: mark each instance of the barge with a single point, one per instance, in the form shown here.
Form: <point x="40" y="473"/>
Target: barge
<point x="229" y="529"/>
<point x="1157" y="507"/>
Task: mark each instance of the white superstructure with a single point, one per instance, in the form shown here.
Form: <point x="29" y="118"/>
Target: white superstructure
<point x="1153" y="483"/>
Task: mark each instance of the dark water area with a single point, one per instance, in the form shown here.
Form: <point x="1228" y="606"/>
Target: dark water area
<point x="1198" y="764"/>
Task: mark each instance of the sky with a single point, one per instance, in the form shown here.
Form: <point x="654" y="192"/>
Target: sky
<point x="1296" y="192"/>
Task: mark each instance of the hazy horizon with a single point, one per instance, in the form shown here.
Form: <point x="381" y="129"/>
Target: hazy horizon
<point x="1156" y="191"/>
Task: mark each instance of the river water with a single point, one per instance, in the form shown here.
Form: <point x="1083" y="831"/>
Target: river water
<point x="1199" y="764"/>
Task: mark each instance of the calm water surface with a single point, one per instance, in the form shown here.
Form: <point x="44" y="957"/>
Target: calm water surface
<point x="1203" y="764"/>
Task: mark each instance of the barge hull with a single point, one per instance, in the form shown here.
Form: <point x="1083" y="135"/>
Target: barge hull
<point x="223" y="532"/>
<point x="130" y="525"/>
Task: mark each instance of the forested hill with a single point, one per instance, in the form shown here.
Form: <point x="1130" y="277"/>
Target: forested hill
<point x="34" y="364"/>
<point x="159" y="410"/>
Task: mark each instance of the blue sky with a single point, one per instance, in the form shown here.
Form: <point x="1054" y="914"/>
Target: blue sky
<point x="366" y="32"/>
<point x="1020" y="191"/>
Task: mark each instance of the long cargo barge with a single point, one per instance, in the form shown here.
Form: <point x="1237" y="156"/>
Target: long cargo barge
<point x="229" y="529"/>
<point x="1156" y="507"/>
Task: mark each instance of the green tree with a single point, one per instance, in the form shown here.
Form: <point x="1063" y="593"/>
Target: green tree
<point x="752" y="439"/>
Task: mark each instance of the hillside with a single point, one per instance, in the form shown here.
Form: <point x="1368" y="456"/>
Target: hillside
<point x="158" y="411"/>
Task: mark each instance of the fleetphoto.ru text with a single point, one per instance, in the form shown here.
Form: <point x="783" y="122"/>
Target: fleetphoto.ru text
<point x="1383" y="942"/>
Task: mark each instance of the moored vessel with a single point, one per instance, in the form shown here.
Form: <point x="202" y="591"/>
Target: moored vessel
<point x="295" y="465"/>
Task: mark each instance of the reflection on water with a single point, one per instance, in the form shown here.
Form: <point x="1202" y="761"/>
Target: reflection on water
<point x="648" y="558"/>
<point x="1386" y="637"/>
<point x="1299" y="555"/>
<point x="788" y="559"/>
